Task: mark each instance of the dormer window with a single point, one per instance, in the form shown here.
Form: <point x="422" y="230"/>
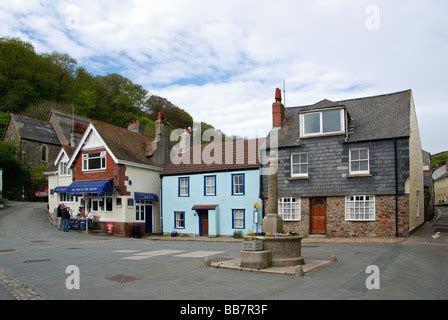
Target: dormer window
<point x="94" y="161"/>
<point x="63" y="169"/>
<point x="319" y="123"/>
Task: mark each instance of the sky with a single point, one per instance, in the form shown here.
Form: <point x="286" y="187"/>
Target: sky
<point x="222" y="60"/>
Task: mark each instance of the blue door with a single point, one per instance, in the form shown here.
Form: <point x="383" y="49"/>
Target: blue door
<point x="148" y="219"/>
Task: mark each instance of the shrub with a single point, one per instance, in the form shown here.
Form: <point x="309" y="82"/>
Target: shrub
<point x="238" y="234"/>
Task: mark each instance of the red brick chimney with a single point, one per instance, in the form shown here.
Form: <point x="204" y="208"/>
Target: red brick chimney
<point x="278" y="110"/>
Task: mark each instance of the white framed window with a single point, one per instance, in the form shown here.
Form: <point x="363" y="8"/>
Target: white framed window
<point x="299" y="165"/>
<point x="238" y="184"/>
<point x="359" y="161"/>
<point x="65" y="197"/>
<point x="360" y="208"/>
<point x="179" y="220"/>
<point x="210" y="185"/>
<point x="184" y="187"/>
<point x="63" y="169"/>
<point x="238" y="218"/>
<point x="325" y="122"/>
<point x="101" y="204"/>
<point x="139" y="212"/>
<point x="94" y="161"/>
<point x="289" y="209"/>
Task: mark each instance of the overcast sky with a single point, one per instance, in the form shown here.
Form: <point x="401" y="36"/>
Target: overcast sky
<point x="221" y="60"/>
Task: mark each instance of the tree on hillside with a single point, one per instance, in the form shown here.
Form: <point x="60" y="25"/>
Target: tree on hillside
<point x="15" y="175"/>
<point x="439" y="159"/>
<point x="177" y="117"/>
<point x="41" y="110"/>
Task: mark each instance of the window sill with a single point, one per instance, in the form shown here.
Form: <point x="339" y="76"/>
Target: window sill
<point x="317" y="135"/>
<point x="292" y="220"/>
<point x="352" y="220"/>
<point x="299" y="178"/>
<point x="95" y="170"/>
<point x="359" y="175"/>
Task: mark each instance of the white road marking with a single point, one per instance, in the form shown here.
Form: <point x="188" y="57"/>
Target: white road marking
<point x="198" y="254"/>
<point x="159" y="253"/>
<point x="126" y="251"/>
<point x="136" y="257"/>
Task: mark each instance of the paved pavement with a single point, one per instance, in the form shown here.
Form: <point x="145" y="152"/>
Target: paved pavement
<point x="36" y="255"/>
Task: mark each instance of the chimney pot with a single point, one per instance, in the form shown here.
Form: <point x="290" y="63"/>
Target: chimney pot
<point x="278" y="110"/>
<point x="160" y="116"/>
<point x="278" y="95"/>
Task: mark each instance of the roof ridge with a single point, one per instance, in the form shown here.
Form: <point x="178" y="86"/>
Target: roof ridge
<point x="121" y="128"/>
<point x="359" y="98"/>
<point x="377" y="96"/>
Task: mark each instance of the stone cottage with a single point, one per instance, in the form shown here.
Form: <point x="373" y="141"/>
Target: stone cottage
<point x="349" y="168"/>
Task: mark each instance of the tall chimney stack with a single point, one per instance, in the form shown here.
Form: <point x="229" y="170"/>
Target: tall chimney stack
<point x="278" y="110"/>
<point x="161" y="144"/>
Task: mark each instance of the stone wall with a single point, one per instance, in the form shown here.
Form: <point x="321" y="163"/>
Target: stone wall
<point x="32" y="154"/>
<point x="337" y="226"/>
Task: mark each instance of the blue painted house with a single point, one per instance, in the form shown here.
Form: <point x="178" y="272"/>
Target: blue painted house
<point x="215" y="196"/>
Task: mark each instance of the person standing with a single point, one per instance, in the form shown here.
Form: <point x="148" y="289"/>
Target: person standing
<point x="59" y="215"/>
<point x="65" y="218"/>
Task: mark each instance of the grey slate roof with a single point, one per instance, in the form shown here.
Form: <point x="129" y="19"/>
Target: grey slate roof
<point x="370" y="118"/>
<point x="36" y="130"/>
<point x="440" y="173"/>
<point x="64" y="123"/>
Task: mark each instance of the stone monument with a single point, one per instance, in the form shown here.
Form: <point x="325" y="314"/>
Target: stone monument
<point x="277" y="250"/>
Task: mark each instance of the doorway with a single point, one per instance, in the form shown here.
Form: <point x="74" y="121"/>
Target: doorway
<point x="148" y="219"/>
<point x="203" y="223"/>
<point x="318" y="215"/>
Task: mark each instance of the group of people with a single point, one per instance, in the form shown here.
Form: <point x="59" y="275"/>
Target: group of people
<point x="64" y="215"/>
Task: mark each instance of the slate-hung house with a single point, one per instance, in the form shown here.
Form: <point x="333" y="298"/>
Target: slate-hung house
<point x="211" y="199"/>
<point x="350" y="168"/>
<point x="116" y="176"/>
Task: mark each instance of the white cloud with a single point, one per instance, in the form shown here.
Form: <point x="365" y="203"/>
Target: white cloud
<point x="222" y="60"/>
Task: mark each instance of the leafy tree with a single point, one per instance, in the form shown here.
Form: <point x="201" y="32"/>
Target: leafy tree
<point x="4" y="118"/>
<point x="15" y="175"/>
<point x="85" y="102"/>
<point x="439" y="159"/>
<point x="41" y="110"/>
<point x="177" y="117"/>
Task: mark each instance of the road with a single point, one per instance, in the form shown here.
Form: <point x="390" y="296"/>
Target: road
<point x="37" y="255"/>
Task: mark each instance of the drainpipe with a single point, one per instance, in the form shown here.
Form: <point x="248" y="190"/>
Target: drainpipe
<point x="160" y="205"/>
<point x="396" y="188"/>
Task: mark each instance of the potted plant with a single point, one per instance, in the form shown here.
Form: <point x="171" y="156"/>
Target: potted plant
<point x="174" y="233"/>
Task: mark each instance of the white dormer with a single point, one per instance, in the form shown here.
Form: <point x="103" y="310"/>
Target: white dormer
<point x="322" y="123"/>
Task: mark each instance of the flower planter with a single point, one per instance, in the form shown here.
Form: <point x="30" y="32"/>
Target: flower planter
<point x="252" y="245"/>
